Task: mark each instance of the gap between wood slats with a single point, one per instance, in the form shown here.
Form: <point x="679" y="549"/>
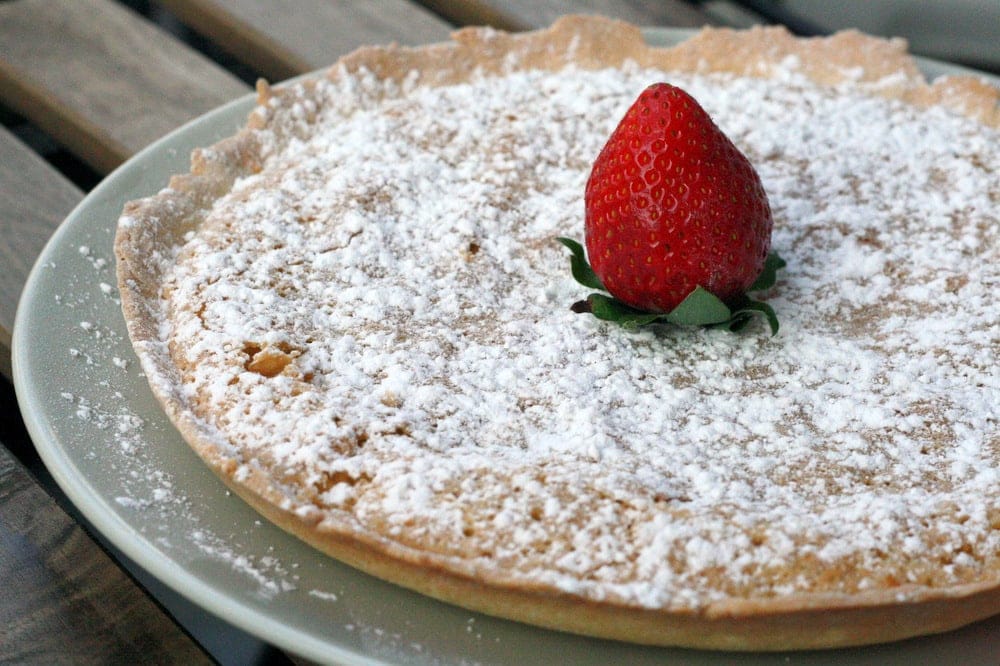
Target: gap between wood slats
<point x="518" y="15"/>
<point x="282" y="38"/>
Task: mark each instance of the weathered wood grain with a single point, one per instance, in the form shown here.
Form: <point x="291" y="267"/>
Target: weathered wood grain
<point x="34" y="199"/>
<point x="100" y="79"/>
<point x="64" y="599"/>
<point x="281" y="38"/>
<point x="528" y="14"/>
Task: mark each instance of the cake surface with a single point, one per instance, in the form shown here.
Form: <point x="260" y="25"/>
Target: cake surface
<point x="356" y="312"/>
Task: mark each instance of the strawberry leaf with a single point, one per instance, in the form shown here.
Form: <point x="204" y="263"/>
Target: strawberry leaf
<point x="608" y="308"/>
<point x="749" y="308"/>
<point x="769" y="274"/>
<point x="700" y="308"/>
<point x="582" y="272"/>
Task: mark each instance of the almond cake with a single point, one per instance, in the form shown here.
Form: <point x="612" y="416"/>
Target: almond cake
<point x="356" y="312"/>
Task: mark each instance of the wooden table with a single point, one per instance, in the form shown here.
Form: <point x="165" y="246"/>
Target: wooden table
<point x="85" y="84"/>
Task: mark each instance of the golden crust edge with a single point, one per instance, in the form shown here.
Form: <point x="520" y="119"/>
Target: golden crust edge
<point x="803" y="621"/>
<point x="807" y="622"/>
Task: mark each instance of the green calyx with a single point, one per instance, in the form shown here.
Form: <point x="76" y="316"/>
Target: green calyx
<point x="700" y="308"/>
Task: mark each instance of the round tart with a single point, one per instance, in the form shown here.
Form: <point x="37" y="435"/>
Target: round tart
<point x="356" y="312"/>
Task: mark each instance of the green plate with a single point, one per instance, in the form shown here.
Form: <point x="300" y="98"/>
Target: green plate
<point x="112" y="450"/>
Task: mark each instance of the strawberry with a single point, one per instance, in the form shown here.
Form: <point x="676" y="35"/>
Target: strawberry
<point x="674" y="208"/>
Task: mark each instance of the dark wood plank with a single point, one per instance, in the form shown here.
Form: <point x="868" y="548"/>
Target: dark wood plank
<point x="34" y="199"/>
<point x="100" y="79"/>
<point x="281" y="38"/>
<point x="529" y="14"/>
<point x="64" y="600"/>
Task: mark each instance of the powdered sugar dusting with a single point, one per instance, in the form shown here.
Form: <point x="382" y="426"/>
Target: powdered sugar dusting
<point x="119" y="438"/>
<point x="382" y="315"/>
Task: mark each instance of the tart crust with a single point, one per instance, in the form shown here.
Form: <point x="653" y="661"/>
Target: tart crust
<point x="157" y="226"/>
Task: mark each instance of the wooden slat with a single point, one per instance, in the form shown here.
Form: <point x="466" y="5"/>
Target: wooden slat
<point x="101" y="80"/>
<point x="64" y="600"/>
<point x="529" y="14"/>
<point x="281" y="38"/>
<point x="34" y="198"/>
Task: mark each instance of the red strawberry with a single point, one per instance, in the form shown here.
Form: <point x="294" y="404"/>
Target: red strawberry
<point x="672" y="204"/>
